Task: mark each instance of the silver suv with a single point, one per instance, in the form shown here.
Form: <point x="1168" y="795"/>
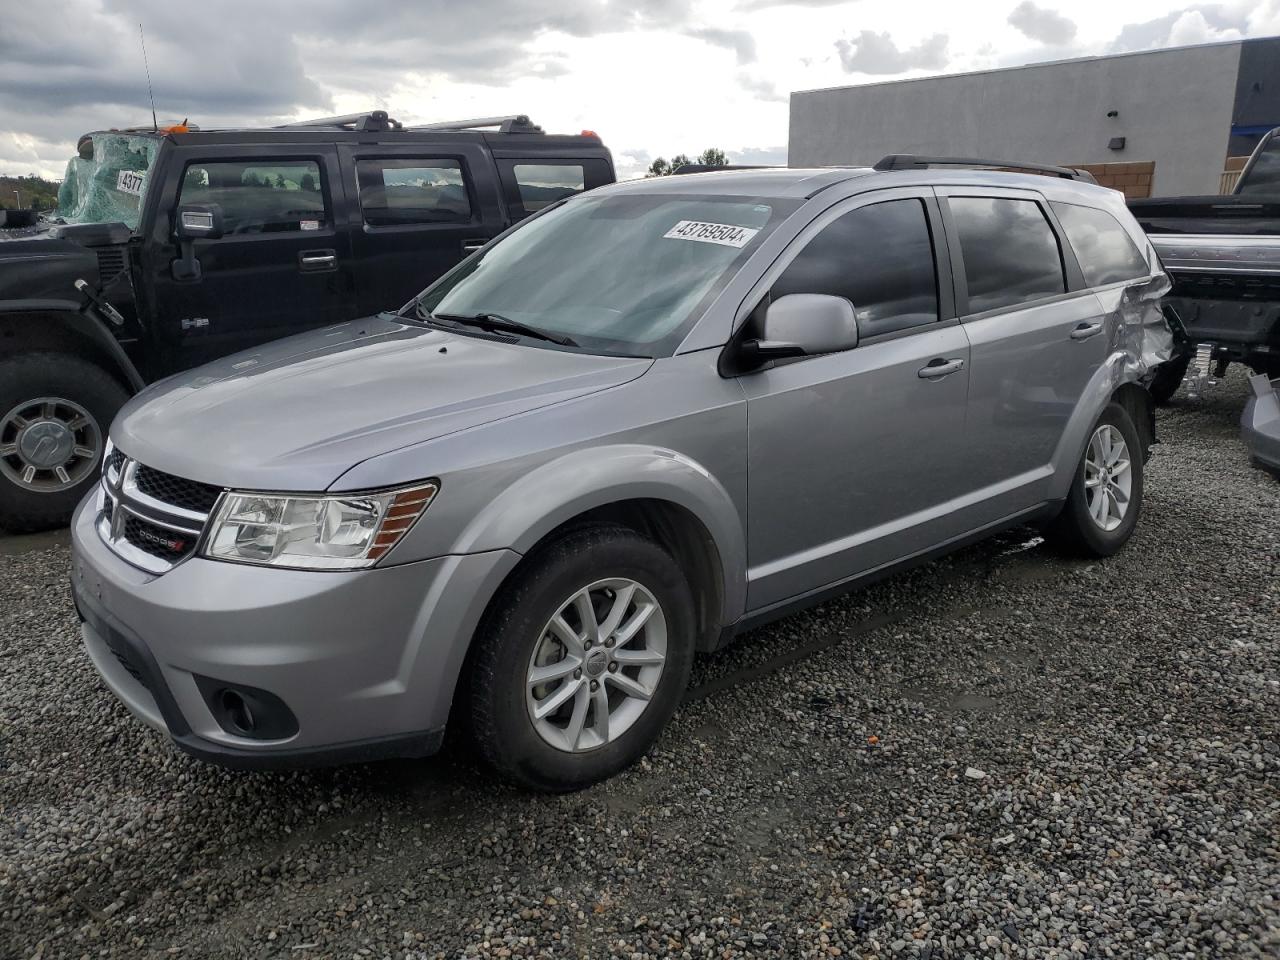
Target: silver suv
<point x="636" y="425"/>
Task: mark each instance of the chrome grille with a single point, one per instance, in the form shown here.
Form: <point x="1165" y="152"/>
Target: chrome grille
<point x="150" y="518"/>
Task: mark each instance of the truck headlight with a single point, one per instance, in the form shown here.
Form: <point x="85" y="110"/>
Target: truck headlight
<point x="342" y="531"/>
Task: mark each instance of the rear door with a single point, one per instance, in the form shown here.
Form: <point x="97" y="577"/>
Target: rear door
<point x="1037" y="334"/>
<point x="531" y="183"/>
<point x="281" y="266"/>
<point x="422" y="207"/>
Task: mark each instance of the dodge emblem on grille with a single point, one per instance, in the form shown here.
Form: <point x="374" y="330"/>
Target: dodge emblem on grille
<point x="169" y="543"/>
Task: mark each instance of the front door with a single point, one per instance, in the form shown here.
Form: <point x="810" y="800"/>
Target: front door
<point x="855" y="456"/>
<point x="280" y="267"/>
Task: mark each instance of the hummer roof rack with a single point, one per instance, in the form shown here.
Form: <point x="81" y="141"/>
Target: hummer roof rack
<point x="377" y="121"/>
<point x="372" y="120"/>
<point x="515" y="123"/>
<point x="908" y="161"/>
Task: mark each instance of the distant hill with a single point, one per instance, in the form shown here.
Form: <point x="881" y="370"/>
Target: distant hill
<point x="37" y="192"/>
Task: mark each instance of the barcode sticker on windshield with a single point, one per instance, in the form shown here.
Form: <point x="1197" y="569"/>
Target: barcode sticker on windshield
<point x="130" y="181"/>
<point x="722" y="233"/>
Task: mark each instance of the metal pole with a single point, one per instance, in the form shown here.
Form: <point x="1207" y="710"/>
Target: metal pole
<point x="18" y="194"/>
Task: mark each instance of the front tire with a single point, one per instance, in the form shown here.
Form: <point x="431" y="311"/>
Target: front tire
<point x="1105" y="499"/>
<point x="55" y="410"/>
<point x="581" y="660"/>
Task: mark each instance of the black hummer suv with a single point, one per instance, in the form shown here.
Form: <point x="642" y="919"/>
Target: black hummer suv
<point x="173" y="246"/>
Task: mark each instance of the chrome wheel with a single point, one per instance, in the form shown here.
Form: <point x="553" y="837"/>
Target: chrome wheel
<point x="1108" y="477"/>
<point x="596" y="665"/>
<point x="49" y="444"/>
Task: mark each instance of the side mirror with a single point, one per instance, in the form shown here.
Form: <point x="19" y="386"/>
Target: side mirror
<point x="198" y="222"/>
<point x="804" y="325"/>
<point x="194" y="222"/>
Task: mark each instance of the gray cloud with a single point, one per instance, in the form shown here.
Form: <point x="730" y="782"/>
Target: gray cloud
<point x="740" y="42"/>
<point x="1205" y="22"/>
<point x="1047" y="26"/>
<point x="876" y="53"/>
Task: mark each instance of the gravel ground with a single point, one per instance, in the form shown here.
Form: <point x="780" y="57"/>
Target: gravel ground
<point x="1072" y="760"/>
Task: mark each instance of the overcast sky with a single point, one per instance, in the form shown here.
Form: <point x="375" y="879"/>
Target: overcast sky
<point x="653" y="78"/>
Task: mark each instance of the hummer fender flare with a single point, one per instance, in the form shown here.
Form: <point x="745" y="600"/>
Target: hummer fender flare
<point x="88" y="326"/>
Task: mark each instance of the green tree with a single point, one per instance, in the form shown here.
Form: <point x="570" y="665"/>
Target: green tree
<point x="711" y="157"/>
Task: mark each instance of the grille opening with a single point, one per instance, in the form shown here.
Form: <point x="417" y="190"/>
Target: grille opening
<point x="111" y="262"/>
<point x="187" y="494"/>
<point x="237" y="711"/>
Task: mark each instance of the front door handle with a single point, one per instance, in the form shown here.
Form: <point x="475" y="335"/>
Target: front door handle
<point x="313" y="260"/>
<point x="1086" y="330"/>
<point x="471" y="246"/>
<point x="939" y="367"/>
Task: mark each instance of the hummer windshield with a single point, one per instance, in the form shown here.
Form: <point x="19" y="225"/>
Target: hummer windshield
<point x="613" y="273"/>
<point x="107" y="180"/>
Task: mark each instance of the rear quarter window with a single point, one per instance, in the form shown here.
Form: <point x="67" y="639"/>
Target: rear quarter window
<point x="1105" y="250"/>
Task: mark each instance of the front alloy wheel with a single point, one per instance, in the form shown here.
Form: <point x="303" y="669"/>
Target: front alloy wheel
<point x="581" y="658"/>
<point x="596" y="665"/>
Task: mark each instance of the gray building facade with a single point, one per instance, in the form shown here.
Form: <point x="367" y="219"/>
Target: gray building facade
<point x="1177" y="113"/>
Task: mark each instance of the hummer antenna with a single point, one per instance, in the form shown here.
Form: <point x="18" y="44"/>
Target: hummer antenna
<point x="142" y="37"/>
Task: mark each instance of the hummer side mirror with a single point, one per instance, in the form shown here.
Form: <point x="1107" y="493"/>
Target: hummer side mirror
<point x="194" y="222"/>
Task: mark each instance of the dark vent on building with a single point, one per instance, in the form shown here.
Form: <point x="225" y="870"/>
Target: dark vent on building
<point x="111" y="262"/>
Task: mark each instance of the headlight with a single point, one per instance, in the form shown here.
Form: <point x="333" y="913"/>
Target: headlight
<point x="340" y="532"/>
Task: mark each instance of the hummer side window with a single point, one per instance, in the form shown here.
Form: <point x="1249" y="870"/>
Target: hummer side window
<point x="542" y="184"/>
<point x="879" y="257"/>
<point x="259" y="197"/>
<point x="412" y="191"/>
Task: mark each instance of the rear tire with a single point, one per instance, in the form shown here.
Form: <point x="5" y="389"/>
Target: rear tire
<point x="55" y="410"/>
<point x="1168" y="379"/>
<point x="536" y="626"/>
<point x="1105" y="499"/>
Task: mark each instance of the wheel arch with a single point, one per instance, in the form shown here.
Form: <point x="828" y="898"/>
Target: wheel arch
<point x="59" y="327"/>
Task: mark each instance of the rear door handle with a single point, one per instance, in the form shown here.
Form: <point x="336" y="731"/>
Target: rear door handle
<point x="1086" y="330"/>
<point x="471" y="246"/>
<point x="938" y="367"/>
<point x="314" y="260"/>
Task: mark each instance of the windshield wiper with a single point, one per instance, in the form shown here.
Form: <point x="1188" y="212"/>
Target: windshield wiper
<point x="497" y="322"/>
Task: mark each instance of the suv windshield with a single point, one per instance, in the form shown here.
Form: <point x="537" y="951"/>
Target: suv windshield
<point x="106" y="181"/>
<point x="615" y="273"/>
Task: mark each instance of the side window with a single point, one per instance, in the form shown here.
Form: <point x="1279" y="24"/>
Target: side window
<point x="412" y="191"/>
<point x="1264" y="175"/>
<point x="542" y="184"/>
<point x="1010" y="252"/>
<point x="878" y="257"/>
<point x="1106" y="252"/>
<point x="259" y="197"/>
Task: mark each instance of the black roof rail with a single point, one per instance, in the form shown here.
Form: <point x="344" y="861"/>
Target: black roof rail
<point x="712" y="168"/>
<point x="515" y="123"/>
<point x="376" y="121"/>
<point x="908" y="161"/>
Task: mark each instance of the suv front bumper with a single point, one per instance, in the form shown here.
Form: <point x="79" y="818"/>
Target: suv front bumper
<point x="365" y="661"/>
<point x="1260" y="423"/>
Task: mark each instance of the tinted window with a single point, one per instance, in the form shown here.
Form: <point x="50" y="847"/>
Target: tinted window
<point x="1010" y="251"/>
<point x="259" y="197"/>
<point x="542" y="184"/>
<point x="1105" y="251"/>
<point x="878" y="257"/>
<point x="1264" y="176"/>
<point x="412" y="191"/>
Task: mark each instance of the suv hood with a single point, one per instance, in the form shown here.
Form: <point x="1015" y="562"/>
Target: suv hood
<point x="298" y="413"/>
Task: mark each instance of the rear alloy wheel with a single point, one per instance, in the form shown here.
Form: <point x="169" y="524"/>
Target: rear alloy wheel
<point x="55" y="411"/>
<point x="581" y="659"/>
<point x="1105" y="498"/>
